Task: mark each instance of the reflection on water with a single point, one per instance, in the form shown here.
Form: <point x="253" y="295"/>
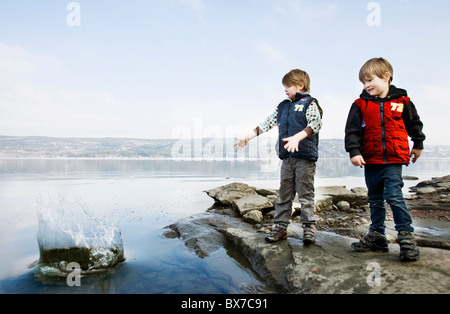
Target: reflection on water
<point x="252" y="169"/>
<point x="142" y="196"/>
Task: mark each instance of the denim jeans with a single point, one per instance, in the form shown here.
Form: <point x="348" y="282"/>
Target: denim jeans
<point x="384" y="182"/>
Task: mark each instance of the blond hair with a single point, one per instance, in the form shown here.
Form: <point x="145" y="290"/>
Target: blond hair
<point x="376" y="66"/>
<point x="297" y="77"/>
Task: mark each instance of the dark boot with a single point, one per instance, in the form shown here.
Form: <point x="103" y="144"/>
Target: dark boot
<point x="309" y="234"/>
<point x="278" y="233"/>
<point x="409" y="252"/>
<point x="373" y="241"/>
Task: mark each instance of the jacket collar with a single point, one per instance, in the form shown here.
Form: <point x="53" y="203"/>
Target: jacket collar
<point x="393" y="93"/>
<point x="299" y="96"/>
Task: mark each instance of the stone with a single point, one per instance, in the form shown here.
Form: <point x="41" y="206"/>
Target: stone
<point x="426" y="190"/>
<point x="229" y="193"/>
<point x="343" y="206"/>
<point x="251" y="202"/>
<point x="253" y="217"/>
<point x="272" y="198"/>
<point x="265" y="192"/>
<point x="410" y="178"/>
<point x="341" y="193"/>
<point x="431" y="194"/>
<point x="323" y="203"/>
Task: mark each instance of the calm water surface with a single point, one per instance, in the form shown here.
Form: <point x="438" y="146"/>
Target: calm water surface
<point x="143" y="197"/>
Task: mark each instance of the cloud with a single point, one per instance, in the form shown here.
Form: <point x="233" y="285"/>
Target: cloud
<point x="196" y="5"/>
<point x="16" y="62"/>
<point x="31" y="104"/>
<point x="81" y="51"/>
<point x="306" y="9"/>
<point x="269" y="51"/>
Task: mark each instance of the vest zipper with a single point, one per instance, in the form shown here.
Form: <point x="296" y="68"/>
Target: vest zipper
<point x="383" y="135"/>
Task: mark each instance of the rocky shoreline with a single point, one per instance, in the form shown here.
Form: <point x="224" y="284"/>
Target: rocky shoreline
<point x="242" y="215"/>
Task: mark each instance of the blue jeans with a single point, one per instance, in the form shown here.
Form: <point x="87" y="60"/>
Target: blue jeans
<point x="385" y="182"/>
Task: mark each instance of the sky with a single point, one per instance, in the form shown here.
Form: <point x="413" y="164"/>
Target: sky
<point x="209" y="68"/>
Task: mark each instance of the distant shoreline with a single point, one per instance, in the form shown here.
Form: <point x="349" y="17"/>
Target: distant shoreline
<point x="262" y="149"/>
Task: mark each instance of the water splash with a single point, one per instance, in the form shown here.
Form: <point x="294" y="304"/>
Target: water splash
<point x="69" y="231"/>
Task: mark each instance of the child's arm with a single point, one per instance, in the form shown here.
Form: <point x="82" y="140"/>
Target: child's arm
<point x="242" y="142"/>
<point x="265" y="126"/>
<point x="354" y="135"/>
<point x="414" y="128"/>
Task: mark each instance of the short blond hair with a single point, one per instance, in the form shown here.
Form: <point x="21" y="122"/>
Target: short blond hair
<point x="296" y="77"/>
<point x="376" y="66"/>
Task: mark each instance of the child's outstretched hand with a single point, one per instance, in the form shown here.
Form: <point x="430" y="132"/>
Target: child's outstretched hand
<point x="240" y="144"/>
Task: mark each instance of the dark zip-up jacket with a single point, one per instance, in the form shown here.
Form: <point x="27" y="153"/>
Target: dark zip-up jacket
<point x="378" y="129"/>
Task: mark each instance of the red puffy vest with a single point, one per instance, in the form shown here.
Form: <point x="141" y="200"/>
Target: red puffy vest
<point x="385" y="135"/>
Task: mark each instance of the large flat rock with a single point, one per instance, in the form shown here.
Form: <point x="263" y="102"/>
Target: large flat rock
<point x="329" y="266"/>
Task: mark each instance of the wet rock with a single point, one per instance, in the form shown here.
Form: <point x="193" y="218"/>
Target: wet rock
<point x="88" y="258"/>
<point x="410" y="178"/>
<point x="200" y="232"/>
<point x="329" y="266"/>
<point x="431" y="233"/>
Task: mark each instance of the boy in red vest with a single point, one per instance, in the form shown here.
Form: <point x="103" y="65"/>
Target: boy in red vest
<point x="376" y="137"/>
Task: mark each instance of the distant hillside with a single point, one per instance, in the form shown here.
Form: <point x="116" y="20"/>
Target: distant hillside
<point x="262" y="147"/>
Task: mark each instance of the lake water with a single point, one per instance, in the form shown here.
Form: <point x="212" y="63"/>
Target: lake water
<point x="141" y="197"/>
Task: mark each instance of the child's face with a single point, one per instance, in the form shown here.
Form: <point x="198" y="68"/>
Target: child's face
<point x="292" y="90"/>
<point x="377" y="86"/>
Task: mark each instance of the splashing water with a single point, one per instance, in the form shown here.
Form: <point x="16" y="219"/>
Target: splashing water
<point x="70" y="232"/>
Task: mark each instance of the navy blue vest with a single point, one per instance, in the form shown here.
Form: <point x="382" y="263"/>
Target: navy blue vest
<point x="291" y="120"/>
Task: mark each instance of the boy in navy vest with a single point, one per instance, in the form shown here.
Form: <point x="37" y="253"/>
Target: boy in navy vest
<point x="376" y="137"/>
<point x="299" y="120"/>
